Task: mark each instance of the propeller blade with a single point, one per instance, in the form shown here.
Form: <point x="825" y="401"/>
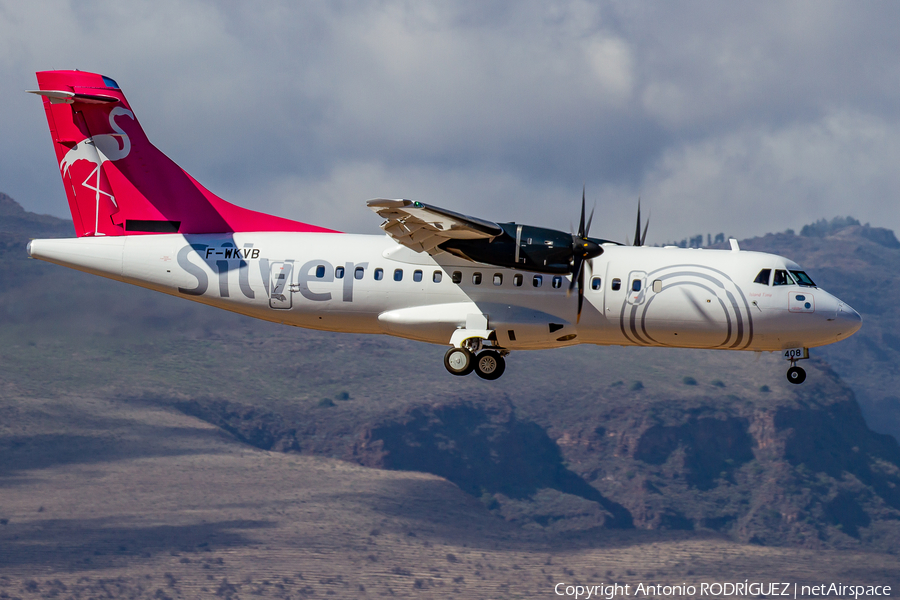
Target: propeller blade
<point x="646" y="227"/>
<point x="581" y="278"/>
<point x="637" y="227"/>
<point x="580" y="303"/>
<point x="581" y="233"/>
<point x="576" y="270"/>
<point x="583" y="250"/>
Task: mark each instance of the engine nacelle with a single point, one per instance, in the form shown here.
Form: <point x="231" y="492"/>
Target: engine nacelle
<point x="526" y="247"/>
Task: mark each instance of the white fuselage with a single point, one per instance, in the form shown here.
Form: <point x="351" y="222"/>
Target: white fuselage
<point x="647" y="296"/>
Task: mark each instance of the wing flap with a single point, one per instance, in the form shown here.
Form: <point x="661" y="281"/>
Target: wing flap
<point x="423" y="227"/>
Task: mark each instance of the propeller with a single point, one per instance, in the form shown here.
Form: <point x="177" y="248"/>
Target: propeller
<point x="640" y="238"/>
<point x="583" y="250"/>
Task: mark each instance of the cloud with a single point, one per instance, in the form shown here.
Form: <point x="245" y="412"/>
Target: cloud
<point x="723" y="117"/>
<point x="770" y="180"/>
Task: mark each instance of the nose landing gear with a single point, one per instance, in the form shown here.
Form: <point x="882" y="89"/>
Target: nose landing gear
<point x="795" y="374"/>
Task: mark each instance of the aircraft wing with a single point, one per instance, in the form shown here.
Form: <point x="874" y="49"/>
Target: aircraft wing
<point x="422" y="227"/>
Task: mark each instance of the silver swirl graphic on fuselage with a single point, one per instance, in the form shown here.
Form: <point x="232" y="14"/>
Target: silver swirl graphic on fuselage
<point x="734" y="324"/>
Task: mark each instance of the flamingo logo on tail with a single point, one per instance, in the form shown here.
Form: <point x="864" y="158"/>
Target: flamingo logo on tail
<point x="97" y="150"/>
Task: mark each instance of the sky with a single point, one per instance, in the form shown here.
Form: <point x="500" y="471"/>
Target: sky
<point x="740" y="118"/>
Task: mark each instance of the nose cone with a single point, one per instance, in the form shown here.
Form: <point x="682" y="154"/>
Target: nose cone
<point x="848" y="320"/>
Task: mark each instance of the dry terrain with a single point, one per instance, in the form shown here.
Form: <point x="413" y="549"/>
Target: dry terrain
<point x="122" y="499"/>
<point x="154" y="448"/>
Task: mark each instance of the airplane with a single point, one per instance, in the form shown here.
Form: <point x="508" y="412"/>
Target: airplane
<point x="482" y="288"/>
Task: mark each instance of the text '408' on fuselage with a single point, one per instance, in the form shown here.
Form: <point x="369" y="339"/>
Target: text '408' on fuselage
<point x="482" y="288"/>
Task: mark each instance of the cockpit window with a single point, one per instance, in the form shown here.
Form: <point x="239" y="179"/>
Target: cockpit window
<point x="782" y="277"/>
<point x="763" y="277"/>
<point x="803" y="279"/>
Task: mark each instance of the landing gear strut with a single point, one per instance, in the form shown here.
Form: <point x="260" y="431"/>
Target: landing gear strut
<point x="795" y="374"/>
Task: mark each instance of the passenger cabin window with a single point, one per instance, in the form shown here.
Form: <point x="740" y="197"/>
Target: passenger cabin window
<point x="438" y="275"/>
<point x="657" y="286"/>
<point x="417" y="276"/>
<point x="763" y="277"/>
<point x="596" y="284"/>
<point x="803" y="279"/>
<point x="518" y="279"/>
<point x="398" y="274"/>
<point x="456" y="277"/>
<point x="538" y="281"/>
<point x="339" y="272"/>
<point x="358" y="273"/>
<point x="636" y="285"/>
<point x="379" y="274"/>
<point x="476" y="278"/>
<point x="557" y="282"/>
<point x="616" y="284"/>
<point x="320" y="271"/>
<point x="782" y="277"/>
<point x="498" y="279"/>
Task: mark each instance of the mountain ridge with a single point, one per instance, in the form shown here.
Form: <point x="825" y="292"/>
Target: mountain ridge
<point x="657" y="439"/>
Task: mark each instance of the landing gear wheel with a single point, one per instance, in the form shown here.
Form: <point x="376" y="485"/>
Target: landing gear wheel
<point x="796" y="375"/>
<point x="459" y="361"/>
<point x="490" y="365"/>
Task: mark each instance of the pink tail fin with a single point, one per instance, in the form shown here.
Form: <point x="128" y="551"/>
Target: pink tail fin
<point x="117" y="182"/>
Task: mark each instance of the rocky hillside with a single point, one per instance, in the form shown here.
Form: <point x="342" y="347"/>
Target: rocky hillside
<point x="16" y="220"/>
<point x="633" y="438"/>
<point x="859" y="264"/>
<point x="777" y="466"/>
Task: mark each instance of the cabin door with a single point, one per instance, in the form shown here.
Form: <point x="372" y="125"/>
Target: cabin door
<point x="636" y="287"/>
<point x="280" y="284"/>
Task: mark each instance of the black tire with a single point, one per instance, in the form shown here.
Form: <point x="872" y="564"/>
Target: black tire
<point x="459" y="361"/>
<point x="796" y="375"/>
<point x="490" y="365"/>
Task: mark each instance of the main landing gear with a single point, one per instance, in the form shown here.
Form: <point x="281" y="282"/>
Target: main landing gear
<point x="488" y="364"/>
<point x="795" y="374"/>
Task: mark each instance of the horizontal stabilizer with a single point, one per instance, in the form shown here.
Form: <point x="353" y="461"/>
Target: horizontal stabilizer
<point x="62" y="97"/>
